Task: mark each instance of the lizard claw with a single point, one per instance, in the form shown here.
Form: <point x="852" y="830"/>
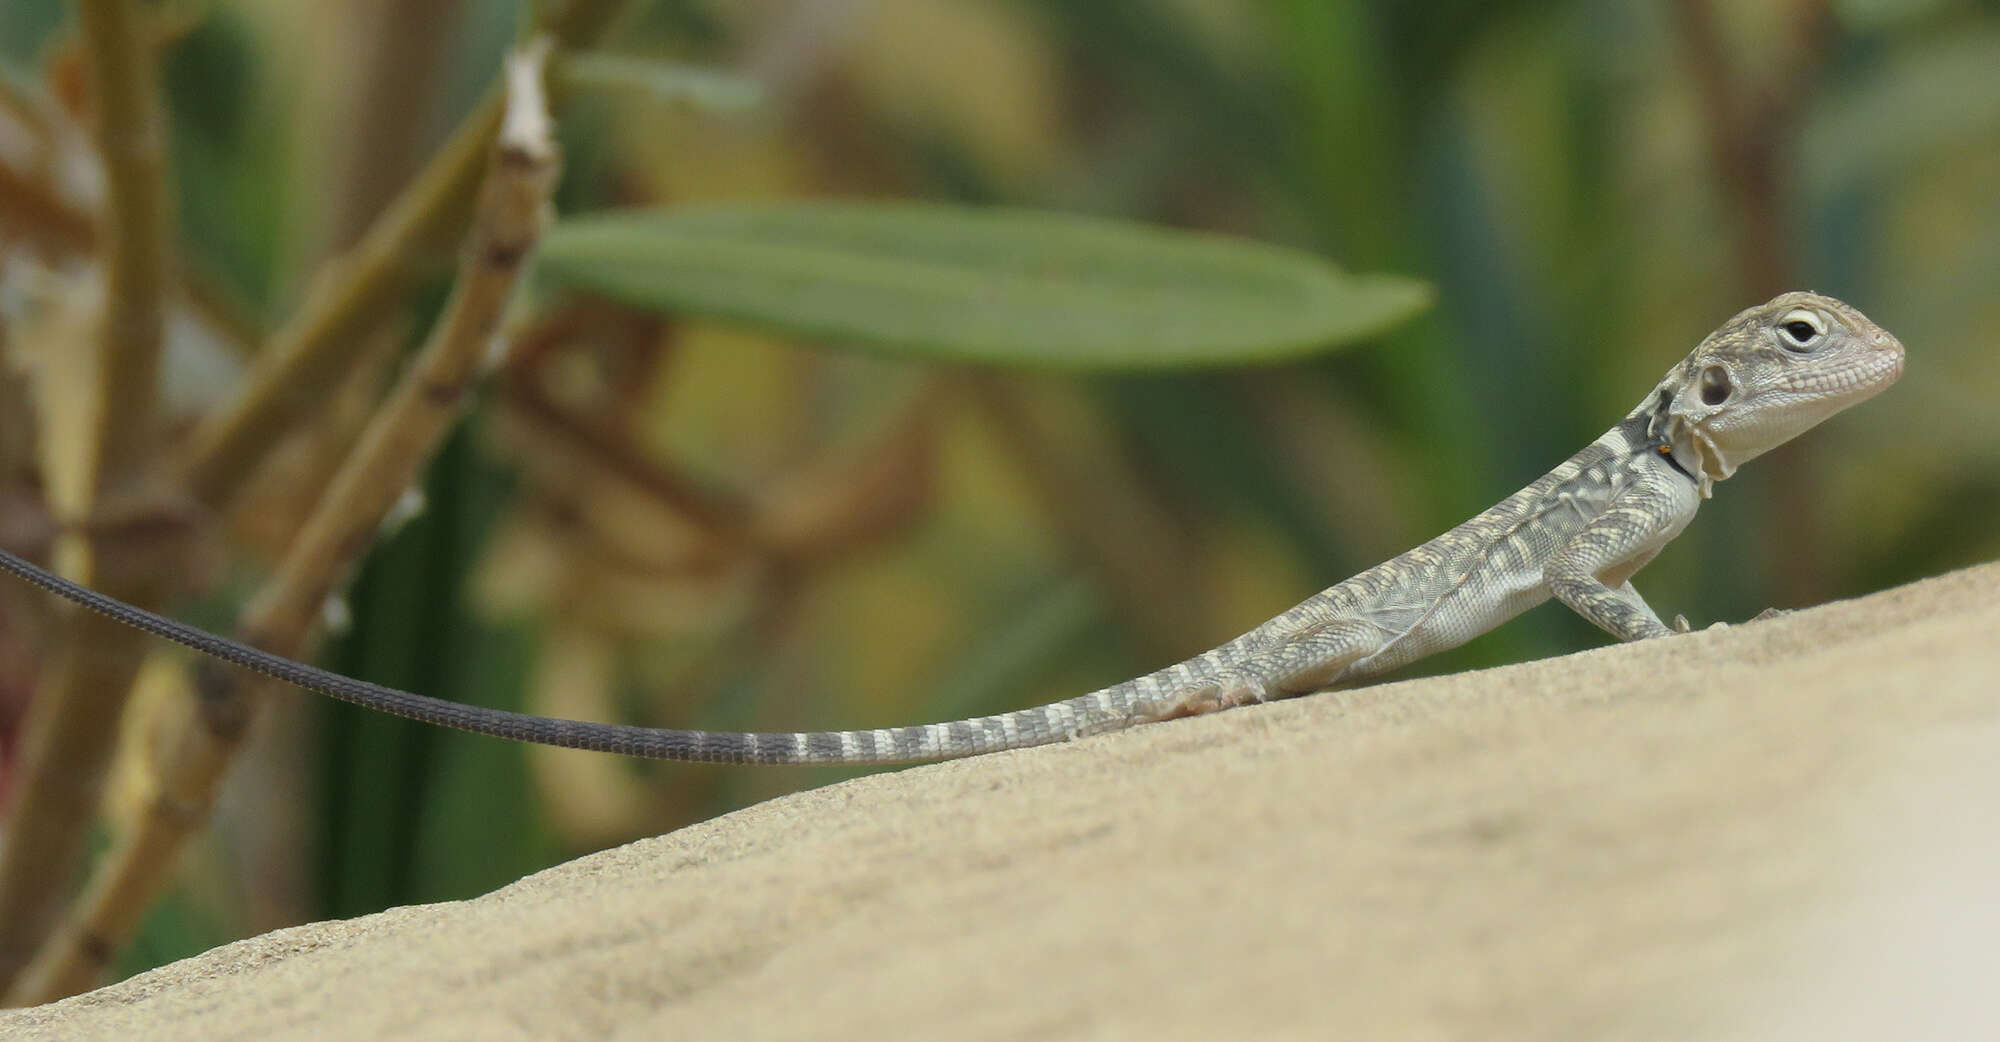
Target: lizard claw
<point x="1244" y="691"/>
<point x="1681" y="624"/>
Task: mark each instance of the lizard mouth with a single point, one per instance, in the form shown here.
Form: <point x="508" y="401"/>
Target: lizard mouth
<point x="1871" y="374"/>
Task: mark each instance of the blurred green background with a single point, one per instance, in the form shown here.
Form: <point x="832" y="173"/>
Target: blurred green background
<point x="1589" y="186"/>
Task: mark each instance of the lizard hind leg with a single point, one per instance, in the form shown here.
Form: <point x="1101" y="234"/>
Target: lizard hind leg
<point x="1309" y="660"/>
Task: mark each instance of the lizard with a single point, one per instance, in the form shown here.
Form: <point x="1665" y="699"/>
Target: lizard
<point x="1577" y="535"/>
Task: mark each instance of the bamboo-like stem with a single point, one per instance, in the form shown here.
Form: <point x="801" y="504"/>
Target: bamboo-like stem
<point x="413" y="419"/>
<point x="130" y="135"/>
<point x="62" y="772"/>
<point x="358" y="289"/>
<point x="425" y="403"/>
<point x="343" y="305"/>
<point x="400" y="438"/>
<point x="69" y="734"/>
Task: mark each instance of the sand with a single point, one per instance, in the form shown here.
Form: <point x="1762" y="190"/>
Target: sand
<point x="1783" y="830"/>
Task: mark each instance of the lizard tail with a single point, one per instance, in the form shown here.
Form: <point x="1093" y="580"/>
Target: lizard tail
<point x="1095" y="713"/>
<point x="1107" y="710"/>
<point x="1115" y="708"/>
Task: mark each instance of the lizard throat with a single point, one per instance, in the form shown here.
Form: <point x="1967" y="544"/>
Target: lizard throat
<point x="1682" y="443"/>
<point x="1666" y="449"/>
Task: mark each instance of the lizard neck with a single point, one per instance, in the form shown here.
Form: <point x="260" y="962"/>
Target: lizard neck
<point x="1698" y="457"/>
<point x="1681" y="443"/>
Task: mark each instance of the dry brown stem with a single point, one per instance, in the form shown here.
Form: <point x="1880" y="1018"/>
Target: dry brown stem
<point x="357" y="290"/>
<point x="68" y="736"/>
<point x="388" y="458"/>
<point x="129" y="133"/>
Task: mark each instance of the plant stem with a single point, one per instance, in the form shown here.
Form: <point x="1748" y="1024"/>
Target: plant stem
<point x="130" y="135"/>
<point x="400" y="438"/>
<point x="72" y="725"/>
<point x="356" y="290"/>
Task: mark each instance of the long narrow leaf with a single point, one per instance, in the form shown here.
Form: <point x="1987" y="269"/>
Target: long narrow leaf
<point x="1011" y="287"/>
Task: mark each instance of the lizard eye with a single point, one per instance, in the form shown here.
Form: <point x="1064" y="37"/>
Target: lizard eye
<point x="1715" y="386"/>
<point x="1799" y="329"/>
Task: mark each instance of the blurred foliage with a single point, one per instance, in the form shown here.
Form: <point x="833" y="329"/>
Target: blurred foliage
<point x="932" y="551"/>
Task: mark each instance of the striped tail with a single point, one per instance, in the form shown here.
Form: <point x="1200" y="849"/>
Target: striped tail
<point x="1115" y="708"/>
<point x="1145" y="699"/>
<point x="1111" y="709"/>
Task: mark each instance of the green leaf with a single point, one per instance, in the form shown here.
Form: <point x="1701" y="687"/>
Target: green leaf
<point x="660" y="80"/>
<point x="1013" y="287"/>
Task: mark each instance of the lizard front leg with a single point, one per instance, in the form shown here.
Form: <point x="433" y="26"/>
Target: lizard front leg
<point x="1626" y="534"/>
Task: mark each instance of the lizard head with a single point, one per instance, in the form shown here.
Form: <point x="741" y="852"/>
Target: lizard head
<point x="1768" y="375"/>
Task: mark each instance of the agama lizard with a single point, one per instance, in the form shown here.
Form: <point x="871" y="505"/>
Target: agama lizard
<point x="1578" y="534"/>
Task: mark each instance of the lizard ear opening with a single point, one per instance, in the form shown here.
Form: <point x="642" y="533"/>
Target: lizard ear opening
<point x="1715" y="385"/>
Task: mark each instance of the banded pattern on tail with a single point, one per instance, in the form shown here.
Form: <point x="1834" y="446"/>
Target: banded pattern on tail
<point x="1095" y="713"/>
<point x="1110" y="709"/>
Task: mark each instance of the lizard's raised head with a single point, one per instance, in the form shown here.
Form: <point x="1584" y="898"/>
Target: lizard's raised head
<point x="1768" y="375"/>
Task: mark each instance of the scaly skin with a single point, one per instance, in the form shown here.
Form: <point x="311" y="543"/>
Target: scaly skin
<point x="1578" y="534"/>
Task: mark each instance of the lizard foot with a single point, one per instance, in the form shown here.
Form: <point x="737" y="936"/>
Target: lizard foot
<point x="1239" y="689"/>
<point x="1767" y="613"/>
<point x="1223" y="692"/>
<point x="1682" y="625"/>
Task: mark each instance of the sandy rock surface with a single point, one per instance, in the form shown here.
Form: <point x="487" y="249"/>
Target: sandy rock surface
<point x="1783" y="830"/>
